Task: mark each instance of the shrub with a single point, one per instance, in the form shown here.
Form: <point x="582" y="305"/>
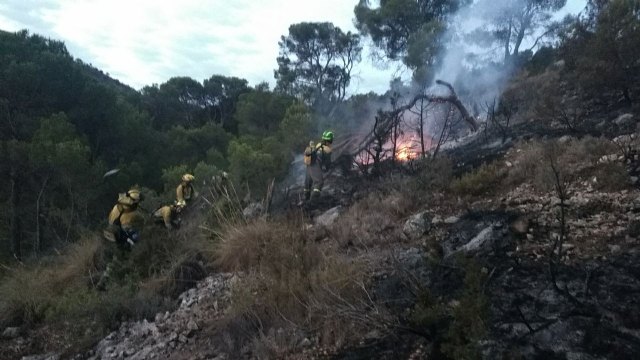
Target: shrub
<point x="28" y="292"/>
<point x="482" y="181"/>
<point x="456" y="326"/>
<point x="575" y="158"/>
<point x="286" y="280"/>
<point x="435" y="174"/>
<point x="372" y="220"/>
<point x="611" y="177"/>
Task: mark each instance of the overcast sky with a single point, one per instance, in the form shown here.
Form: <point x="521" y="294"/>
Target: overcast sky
<point x="141" y="42"/>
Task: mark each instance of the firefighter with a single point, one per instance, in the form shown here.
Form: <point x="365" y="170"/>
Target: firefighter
<point x="125" y="220"/>
<point x="168" y="215"/>
<point x="317" y="158"/>
<point x="125" y="224"/>
<point x="184" y="191"/>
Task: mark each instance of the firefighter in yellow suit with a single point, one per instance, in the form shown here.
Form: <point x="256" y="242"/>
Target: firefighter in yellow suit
<point x="125" y="220"/>
<point x="168" y="215"/>
<point x="125" y="224"/>
<point x="317" y="158"/>
<point x="184" y="191"/>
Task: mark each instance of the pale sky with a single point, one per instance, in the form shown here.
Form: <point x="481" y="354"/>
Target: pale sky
<point x="142" y="42"/>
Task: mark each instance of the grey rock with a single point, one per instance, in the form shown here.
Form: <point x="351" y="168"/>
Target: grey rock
<point x="451" y="220"/>
<point x="634" y="228"/>
<point x="253" y="211"/>
<point x="520" y="226"/>
<point x="615" y="249"/>
<point x="483" y="238"/>
<point x="305" y="343"/>
<point x="417" y="225"/>
<point x="565" y="139"/>
<point x="11" y="333"/>
<point x="173" y="336"/>
<point x="328" y="217"/>
<point x="624" y="120"/>
<point x="50" y="356"/>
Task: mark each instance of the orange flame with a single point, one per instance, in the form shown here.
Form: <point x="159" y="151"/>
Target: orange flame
<point x="404" y="152"/>
<point x="407" y="148"/>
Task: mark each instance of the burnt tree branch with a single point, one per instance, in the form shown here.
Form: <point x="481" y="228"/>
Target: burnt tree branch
<point x="386" y="120"/>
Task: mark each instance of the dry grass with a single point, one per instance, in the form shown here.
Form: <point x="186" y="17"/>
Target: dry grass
<point x="29" y="291"/>
<point x="242" y="248"/>
<point x="289" y="283"/>
<point x="373" y="220"/>
<point x="577" y="159"/>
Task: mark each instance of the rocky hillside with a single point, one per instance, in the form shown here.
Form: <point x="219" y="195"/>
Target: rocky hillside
<point x="523" y="249"/>
<point x="517" y="242"/>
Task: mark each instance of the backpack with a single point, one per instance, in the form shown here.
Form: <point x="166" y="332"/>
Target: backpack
<point x="309" y="154"/>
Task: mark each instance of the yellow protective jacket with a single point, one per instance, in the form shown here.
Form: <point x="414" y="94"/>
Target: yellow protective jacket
<point x="126" y="217"/>
<point x="165" y="214"/>
<point x="320" y="154"/>
<point x="184" y="193"/>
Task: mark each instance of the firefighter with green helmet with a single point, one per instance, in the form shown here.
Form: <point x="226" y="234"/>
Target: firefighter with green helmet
<point x="317" y="158"/>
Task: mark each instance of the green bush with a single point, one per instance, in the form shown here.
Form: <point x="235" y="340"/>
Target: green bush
<point x="435" y="174"/>
<point x="486" y="179"/>
<point x="456" y="325"/>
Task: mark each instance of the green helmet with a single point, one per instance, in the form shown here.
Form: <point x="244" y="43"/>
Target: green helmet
<point x="327" y="135"/>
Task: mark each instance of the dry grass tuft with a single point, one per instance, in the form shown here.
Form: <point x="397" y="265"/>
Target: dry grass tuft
<point x="373" y="220"/>
<point x="28" y="292"/>
<point x="576" y="159"/>
<point x="289" y="281"/>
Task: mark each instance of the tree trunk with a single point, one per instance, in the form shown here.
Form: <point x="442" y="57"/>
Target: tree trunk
<point x="16" y="231"/>
<point x="443" y="134"/>
<point x="37" y="246"/>
<point x="524" y="25"/>
<point x="507" y="42"/>
<point x="395" y="134"/>
<point x="66" y="239"/>
<point x="422" y="128"/>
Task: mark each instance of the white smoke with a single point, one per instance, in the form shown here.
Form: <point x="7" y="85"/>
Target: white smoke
<point x="473" y="55"/>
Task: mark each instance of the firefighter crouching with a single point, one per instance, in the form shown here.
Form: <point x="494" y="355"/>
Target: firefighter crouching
<point x="169" y="215"/>
<point x="125" y="224"/>
<point x="125" y="220"/>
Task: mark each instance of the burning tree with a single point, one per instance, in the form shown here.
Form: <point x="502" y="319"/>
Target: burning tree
<point x="387" y="123"/>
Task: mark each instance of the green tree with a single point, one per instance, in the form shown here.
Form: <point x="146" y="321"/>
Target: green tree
<point x="189" y="146"/>
<point x="61" y="175"/>
<point x="295" y="127"/>
<point x="611" y="57"/>
<point x="407" y="30"/>
<point x="179" y="101"/>
<point x="251" y="168"/>
<point x="221" y="97"/>
<point x="511" y="22"/>
<point x="315" y="62"/>
<point x="260" y="111"/>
